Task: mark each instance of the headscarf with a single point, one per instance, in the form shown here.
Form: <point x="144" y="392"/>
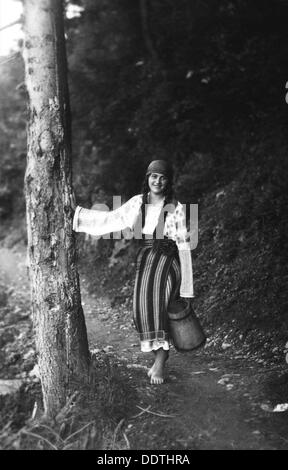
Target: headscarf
<point x="160" y="166"/>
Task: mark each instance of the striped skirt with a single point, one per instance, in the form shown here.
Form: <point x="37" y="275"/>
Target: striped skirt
<point x="157" y="282"/>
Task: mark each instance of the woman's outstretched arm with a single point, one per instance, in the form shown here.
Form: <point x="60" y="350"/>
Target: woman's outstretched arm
<point x="98" y="222"/>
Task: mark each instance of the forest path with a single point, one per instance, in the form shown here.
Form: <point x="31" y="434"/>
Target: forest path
<point x="207" y="402"/>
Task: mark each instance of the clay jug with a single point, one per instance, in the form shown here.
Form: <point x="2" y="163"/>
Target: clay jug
<point x="185" y="329"/>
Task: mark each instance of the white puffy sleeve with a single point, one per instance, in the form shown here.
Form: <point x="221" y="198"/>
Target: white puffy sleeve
<point x="98" y="222"/>
<point x="182" y="239"/>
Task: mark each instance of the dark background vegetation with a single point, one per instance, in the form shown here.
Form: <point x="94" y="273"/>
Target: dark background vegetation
<point x="202" y="84"/>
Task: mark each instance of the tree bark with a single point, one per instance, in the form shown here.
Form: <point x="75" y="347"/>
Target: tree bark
<point x="61" y="337"/>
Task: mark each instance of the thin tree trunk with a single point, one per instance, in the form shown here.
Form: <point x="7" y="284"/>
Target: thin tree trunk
<point x="61" y="337"/>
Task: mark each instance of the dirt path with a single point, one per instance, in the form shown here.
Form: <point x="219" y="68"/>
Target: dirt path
<point x="209" y="401"/>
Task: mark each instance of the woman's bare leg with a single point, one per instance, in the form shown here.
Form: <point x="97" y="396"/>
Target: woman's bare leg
<point x="156" y="373"/>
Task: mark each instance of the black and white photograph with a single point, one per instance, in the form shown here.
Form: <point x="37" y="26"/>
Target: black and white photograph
<point x="143" y="227"/>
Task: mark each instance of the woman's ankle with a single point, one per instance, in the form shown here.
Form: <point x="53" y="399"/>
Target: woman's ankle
<point x="161" y="355"/>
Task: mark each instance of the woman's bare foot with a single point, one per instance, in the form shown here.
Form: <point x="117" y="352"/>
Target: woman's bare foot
<point x="156" y="373"/>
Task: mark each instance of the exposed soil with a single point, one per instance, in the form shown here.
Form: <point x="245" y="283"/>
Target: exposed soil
<point x="212" y="399"/>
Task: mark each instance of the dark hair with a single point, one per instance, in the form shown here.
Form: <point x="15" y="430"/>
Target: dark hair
<point x="169" y="197"/>
<point x="168" y="191"/>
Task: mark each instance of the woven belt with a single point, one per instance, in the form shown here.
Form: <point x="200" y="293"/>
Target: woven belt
<point x="165" y="245"/>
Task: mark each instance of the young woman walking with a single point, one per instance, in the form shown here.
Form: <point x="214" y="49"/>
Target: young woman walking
<point x="163" y="262"/>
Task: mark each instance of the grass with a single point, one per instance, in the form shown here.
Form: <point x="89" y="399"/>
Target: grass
<point x="93" y="417"/>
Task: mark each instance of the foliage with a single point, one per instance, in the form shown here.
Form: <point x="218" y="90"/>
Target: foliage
<point x="212" y="64"/>
<point x="12" y="138"/>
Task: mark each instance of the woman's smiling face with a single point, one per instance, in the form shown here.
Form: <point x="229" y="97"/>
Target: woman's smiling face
<point x="157" y="183"/>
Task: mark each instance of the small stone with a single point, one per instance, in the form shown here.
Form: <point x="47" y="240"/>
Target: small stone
<point x="223" y="381"/>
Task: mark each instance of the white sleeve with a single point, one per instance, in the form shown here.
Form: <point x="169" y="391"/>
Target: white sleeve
<point x="186" y="287"/>
<point x="97" y="222"/>
<point x="185" y="255"/>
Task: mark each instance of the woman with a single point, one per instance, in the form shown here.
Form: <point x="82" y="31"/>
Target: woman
<point x="163" y="262"/>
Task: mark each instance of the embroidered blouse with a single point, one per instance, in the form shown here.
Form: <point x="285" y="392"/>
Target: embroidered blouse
<point x="97" y="223"/>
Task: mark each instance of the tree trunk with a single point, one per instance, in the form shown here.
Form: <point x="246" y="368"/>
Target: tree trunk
<point x="61" y="337"/>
